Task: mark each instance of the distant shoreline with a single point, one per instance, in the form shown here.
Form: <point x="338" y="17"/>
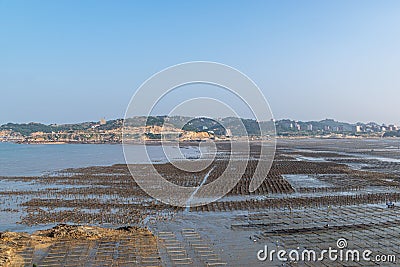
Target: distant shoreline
<point x="191" y="142"/>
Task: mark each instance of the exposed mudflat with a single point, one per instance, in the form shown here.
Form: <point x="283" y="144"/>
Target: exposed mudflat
<point x="72" y="245"/>
<point x="316" y="192"/>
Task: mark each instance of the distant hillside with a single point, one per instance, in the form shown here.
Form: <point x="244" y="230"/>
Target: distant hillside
<point x="27" y="129"/>
<point x="223" y="126"/>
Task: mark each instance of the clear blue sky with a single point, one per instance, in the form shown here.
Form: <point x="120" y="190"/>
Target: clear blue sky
<point x="71" y="61"/>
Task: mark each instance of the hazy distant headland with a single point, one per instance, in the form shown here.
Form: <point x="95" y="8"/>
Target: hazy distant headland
<point x="154" y="128"/>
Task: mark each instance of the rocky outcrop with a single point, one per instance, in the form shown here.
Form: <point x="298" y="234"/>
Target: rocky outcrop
<point x="11" y="243"/>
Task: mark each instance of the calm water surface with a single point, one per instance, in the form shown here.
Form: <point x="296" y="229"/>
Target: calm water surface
<point x="32" y="160"/>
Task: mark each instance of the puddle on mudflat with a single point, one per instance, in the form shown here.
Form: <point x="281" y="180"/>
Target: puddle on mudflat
<point x="305" y="181"/>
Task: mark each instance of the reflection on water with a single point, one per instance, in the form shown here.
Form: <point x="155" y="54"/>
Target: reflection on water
<point x="36" y="160"/>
